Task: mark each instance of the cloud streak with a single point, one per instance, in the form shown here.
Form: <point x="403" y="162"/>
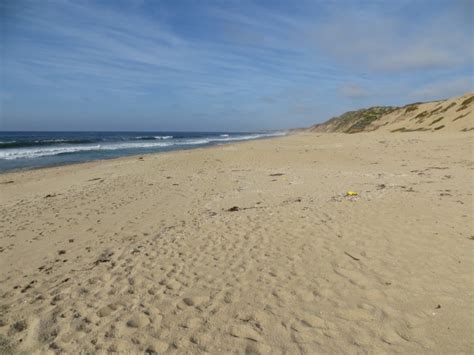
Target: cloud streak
<point x="190" y="59"/>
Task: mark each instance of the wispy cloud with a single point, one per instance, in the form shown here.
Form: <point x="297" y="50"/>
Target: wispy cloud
<point x="394" y="38"/>
<point x="278" y="62"/>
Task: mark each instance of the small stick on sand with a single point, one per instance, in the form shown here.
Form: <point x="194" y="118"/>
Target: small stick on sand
<point x="353" y="257"/>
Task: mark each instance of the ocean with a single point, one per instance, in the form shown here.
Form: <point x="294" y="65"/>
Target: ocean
<point x="27" y="150"/>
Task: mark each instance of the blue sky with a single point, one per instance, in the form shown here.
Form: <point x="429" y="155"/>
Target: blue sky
<point x="224" y="65"/>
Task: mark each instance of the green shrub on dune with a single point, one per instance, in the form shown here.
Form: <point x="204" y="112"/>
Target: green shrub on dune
<point x="436" y="120"/>
<point x="411" y="108"/>
<point x="468" y="101"/>
<point x="357" y="121"/>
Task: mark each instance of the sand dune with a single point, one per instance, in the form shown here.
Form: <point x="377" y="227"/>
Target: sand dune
<point x="452" y="115"/>
<point x="247" y="248"/>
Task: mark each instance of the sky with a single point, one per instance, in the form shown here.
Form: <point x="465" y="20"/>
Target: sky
<point x="117" y="65"/>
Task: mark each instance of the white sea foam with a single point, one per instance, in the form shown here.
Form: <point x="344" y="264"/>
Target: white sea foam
<point x="194" y="141"/>
<point x="248" y="137"/>
<point x="115" y="146"/>
<point x="22" y="153"/>
<point x="35" y="152"/>
<point x="153" y="137"/>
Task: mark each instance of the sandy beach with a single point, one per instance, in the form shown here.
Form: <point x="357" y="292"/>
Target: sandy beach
<point x="245" y="248"/>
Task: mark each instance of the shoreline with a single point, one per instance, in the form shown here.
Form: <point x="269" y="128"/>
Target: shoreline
<point x="249" y="247"/>
<point x="15" y="170"/>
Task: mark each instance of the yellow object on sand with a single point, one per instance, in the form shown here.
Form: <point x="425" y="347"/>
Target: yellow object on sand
<point x="351" y="193"/>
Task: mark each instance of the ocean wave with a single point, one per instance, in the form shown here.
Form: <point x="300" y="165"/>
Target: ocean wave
<point x="194" y="141"/>
<point x="248" y="137"/>
<point x="45" y="142"/>
<point x="143" y="138"/>
<point x="151" y="138"/>
<point x="28" y="152"/>
<point x="114" y="146"/>
<point x="238" y="138"/>
<point x="222" y="138"/>
<point x="12" y="154"/>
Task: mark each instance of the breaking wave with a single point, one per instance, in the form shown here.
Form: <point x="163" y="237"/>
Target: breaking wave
<point x="29" y="149"/>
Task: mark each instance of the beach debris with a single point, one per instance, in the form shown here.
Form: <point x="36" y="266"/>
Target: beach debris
<point x="277" y="174"/>
<point x="27" y="287"/>
<point x="351" y="196"/>
<point x="351" y="256"/>
<point x="62" y="252"/>
<point x="7" y="182"/>
<point x="150" y="350"/>
<point x="137" y="249"/>
<point x="237" y="208"/>
<point x="438" y="306"/>
<point x="95" y="179"/>
<point x="19" y="326"/>
<point x="381" y="186"/>
<point x="188" y="301"/>
<point x="55" y="299"/>
<point x="298" y="199"/>
<point x="105" y="257"/>
<point x="50" y="195"/>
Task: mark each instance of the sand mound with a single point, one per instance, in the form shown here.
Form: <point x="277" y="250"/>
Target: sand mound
<point x="455" y="114"/>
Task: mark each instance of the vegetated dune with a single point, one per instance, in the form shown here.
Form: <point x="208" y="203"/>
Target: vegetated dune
<point x="455" y="114"/>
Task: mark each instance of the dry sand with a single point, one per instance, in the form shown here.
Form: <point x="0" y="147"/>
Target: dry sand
<point x="142" y="255"/>
<point x="454" y="115"/>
